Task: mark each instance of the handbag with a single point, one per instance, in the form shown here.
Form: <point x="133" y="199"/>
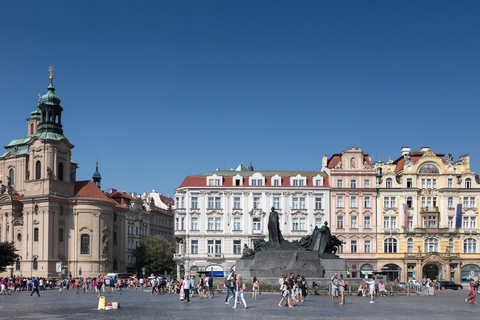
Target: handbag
<point x="182" y="295"/>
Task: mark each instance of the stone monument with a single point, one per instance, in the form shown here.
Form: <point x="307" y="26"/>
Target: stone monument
<point x="313" y="256"/>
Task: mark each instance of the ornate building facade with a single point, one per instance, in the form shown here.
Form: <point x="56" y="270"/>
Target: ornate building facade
<point x="428" y="206"/>
<point x="218" y="214"/>
<point x="353" y="202"/>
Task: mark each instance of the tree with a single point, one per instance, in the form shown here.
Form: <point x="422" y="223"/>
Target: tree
<point x="7" y="255"/>
<point x="155" y="254"/>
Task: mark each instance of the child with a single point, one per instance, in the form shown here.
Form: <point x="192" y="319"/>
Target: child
<point x="372" y="289"/>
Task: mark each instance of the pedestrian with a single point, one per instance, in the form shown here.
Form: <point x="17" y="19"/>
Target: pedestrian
<point x="192" y="286"/>
<point x="256" y="288"/>
<point x="186" y="288"/>
<point x="285" y="293"/>
<point x="304" y="289"/>
<point x="207" y="286"/>
<point x="372" y="289"/>
<point x="230" y="283"/>
<point x="335" y="289"/>
<point x="341" y="288"/>
<point x="473" y="295"/>
<point x="35" y="287"/>
<point x="3" y="283"/>
<point x="240" y="286"/>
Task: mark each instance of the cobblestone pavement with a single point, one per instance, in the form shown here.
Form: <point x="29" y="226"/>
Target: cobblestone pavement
<point x="142" y="305"/>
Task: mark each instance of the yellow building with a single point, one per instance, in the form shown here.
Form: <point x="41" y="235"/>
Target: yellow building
<point x="427" y="243"/>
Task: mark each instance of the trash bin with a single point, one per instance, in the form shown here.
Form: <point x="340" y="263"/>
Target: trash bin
<point x="431" y="291"/>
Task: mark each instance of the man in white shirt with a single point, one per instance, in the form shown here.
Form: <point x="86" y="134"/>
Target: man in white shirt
<point x="335" y="289"/>
<point x="186" y="288"/>
<point x="372" y="289"/>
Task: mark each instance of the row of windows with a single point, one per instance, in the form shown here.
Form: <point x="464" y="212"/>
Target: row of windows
<point x="137" y="231"/>
<point x="353" y="183"/>
<point x="354" y="247"/>
<point x="390" y="245"/>
<point x="353" y="202"/>
<point x="353" y="222"/>
<point x="429" y="183"/>
<point x="216" y="223"/>
<point x="215" y="247"/>
<point x="276" y="182"/>
<point x="38" y="172"/>
<point x="216" y="202"/>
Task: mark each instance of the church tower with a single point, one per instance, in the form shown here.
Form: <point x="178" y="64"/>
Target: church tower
<point x="97" y="177"/>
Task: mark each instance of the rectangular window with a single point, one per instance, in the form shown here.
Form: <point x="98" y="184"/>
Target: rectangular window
<point x="256" y="203"/>
<point x="410" y="222"/>
<point x="450" y="202"/>
<point x="236" y="224"/>
<point x="339" y="202"/>
<point x="423" y="183"/>
<point x="295" y="183"/>
<point x="238" y="182"/>
<point x="367" y="202"/>
<point x="465" y="202"/>
<point x="295" y="224"/>
<point x="276" y="202"/>
<point x="367" y="246"/>
<point x="259" y="182"/>
<point x="194" y="224"/>
<point x="194" y="247"/>
<point x="353" y="202"/>
<point x="473" y="222"/>
<point x="340" y="222"/>
<point x="386" y="223"/>
<point x="366" y="184"/>
<point x="366" y="222"/>
<point x="254" y="183"/>
<point x="302" y="203"/>
<point x="318" y="203"/>
<point x="237" y="246"/>
<point x="393" y="222"/>
<point x="218" y="203"/>
<point x="386" y="202"/>
<point x="218" y="246"/>
<point x="301" y="183"/>
<point x="218" y="223"/>
<point x="318" y="183"/>
<point x="236" y="203"/>
<point x="210" y="224"/>
<point x="177" y="225"/>
<point x="318" y="222"/>
<point x="340" y="248"/>
<point x="210" y="203"/>
<point x="182" y="225"/>
<point x="194" y="203"/>
<point x="451" y="225"/>
<point x="409" y="183"/>
<point x="276" y="182"/>
<point x="472" y="202"/>
<point x="210" y="246"/>
<point x="393" y="202"/>
<point x="294" y="203"/>
<point x="339" y="183"/>
<point x="353" y="183"/>
<point x="432" y="221"/>
<point x="423" y="202"/>
<point x="353" y="246"/>
<point x="429" y="183"/>
<point x="434" y="183"/>
<point x="353" y="222"/>
<point x="450" y="183"/>
<point x="302" y="224"/>
<point x="465" y="222"/>
<point x="256" y="226"/>
<point x="60" y="235"/>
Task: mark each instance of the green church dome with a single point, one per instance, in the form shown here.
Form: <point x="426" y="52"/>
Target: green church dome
<point x="50" y="97"/>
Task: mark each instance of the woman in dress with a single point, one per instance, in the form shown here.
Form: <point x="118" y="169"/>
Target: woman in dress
<point x="473" y="295"/>
<point x="256" y="287"/>
<point x="239" y="293"/>
<point x="341" y="288"/>
<point x="304" y="289"/>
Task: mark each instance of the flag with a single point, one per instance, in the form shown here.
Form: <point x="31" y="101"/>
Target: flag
<point x="405" y="210"/>
<point x="458" y="223"/>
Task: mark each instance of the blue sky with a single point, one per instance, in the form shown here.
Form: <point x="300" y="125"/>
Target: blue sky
<point x="160" y="90"/>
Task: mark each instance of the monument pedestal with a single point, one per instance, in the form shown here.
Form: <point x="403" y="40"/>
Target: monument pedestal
<point x="271" y="264"/>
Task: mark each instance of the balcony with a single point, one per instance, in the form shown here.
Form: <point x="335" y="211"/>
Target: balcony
<point x="215" y="256"/>
<point x="178" y="257"/>
<point x="432" y="230"/>
<point x="429" y="210"/>
<point x="257" y="232"/>
<point x="391" y="230"/>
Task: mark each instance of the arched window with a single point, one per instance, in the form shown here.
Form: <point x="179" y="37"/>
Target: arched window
<point x="410" y="245"/>
<point x="114" y="238"/>
<point x="431" y="245"/>
<point x="35" y="235"/>
<point x="379" y="171"/>
<point x="31" y="128"/>
<point x="36" y="209"/>
<point x="38" y="170"/>
<point x="60" y="171"/>
<point x="85" y="244"/>
<point x="468" y="183"/>
<point x="469" y="245"/>
<point x="450" y="245"/>
<point x="19" y="237"/>
<point x="11" y="175"/>
<point x="35" y="264"/>
<point x="390" y="245"/>
<point x="60" y="235"/>
<point x="115" y="265"/>
<point x="389" y="183"/>
<point x="17" y="264"/>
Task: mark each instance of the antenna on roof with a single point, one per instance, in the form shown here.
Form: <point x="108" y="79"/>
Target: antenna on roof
<point x="376" y="156"/>
<point x="224" y="166"/>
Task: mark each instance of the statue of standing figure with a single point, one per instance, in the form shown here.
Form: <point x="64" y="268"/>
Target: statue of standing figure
<point x="274" y="234"/>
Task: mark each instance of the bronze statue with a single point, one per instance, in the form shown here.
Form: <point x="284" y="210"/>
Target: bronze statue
<point x="274" y="234"/>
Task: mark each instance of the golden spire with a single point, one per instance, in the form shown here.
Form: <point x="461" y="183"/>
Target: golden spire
<point x="51" y="75"/>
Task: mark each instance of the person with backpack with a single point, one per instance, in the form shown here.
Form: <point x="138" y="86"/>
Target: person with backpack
<point x="210" y="286"/>
<point x="230" y="284"/>
<point x="256" y="288"/>
<point x="35" y="287"/>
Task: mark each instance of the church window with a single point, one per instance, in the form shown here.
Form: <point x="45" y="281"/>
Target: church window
<point x="17" y="264"/>
<point x="85" y="244"/>
<point x="60" y="235"/>
<point x="11" y="174"/>
<point x="60" y="171"/>
<point x="114" y="240"/>
<point x="38" y="170"/>
<point x="35" y="264"/>
<point x="35" y="235"/>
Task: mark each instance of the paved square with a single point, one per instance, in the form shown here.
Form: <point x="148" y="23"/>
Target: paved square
<point x="142" y="305"/>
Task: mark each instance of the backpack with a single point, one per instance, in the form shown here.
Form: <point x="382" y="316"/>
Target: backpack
<point x="226" y="281"/>
<point x="210" y="281"/>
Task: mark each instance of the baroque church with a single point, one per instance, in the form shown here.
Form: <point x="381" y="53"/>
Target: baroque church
<point x="51" y="217"/>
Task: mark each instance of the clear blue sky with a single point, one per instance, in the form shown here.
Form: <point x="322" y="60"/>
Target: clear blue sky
<point x="160" y="90"/>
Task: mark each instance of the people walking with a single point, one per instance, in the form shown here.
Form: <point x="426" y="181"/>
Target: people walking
<point x="256" y="287"/>
<point x="186" y="288"/>
<point x="341" y="288"/>
<point x="473" y="295"/>
<point x="240" y="286"/>
<point x="35" y="287"/>
<point x="230" y="283"/>
<point x="335" y="288"/>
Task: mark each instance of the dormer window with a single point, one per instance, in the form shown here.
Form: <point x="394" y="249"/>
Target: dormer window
<point x="214" y="180"/>
<point x="257" y="180"/>
<point x="298" y="181"/>
<point x="318" y="181"/>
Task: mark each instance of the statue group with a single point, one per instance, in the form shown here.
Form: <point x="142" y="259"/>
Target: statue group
<point x="321" y="240"/>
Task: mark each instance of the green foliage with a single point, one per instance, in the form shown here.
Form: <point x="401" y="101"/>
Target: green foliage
<point x="155" y="254"/>
<point x="7" y="255"/>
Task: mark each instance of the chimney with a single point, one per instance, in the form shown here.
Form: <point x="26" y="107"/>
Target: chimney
<point x="405" y="150"/>
<point x="425" y="149"/>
